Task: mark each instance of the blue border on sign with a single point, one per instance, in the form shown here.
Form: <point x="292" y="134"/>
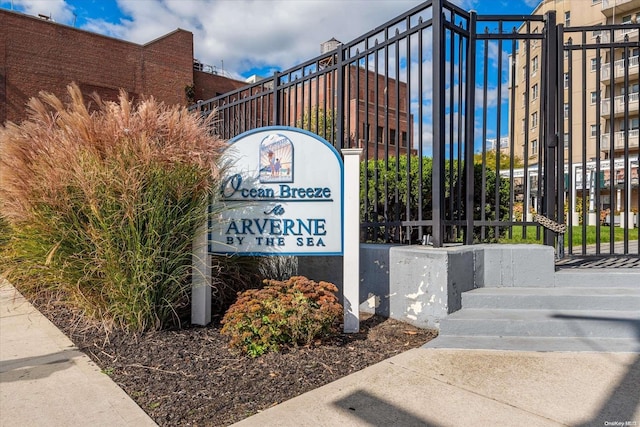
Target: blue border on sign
<point x="340" y="163"/>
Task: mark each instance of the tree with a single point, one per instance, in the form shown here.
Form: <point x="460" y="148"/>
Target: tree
<point x="320" y="122"/>
<point x="505" y="160"/>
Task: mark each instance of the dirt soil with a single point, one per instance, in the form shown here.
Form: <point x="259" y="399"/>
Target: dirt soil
<point x="189" y="377"/>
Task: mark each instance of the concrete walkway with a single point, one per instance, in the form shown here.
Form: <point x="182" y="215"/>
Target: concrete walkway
<point x="438" y="387"/>
<point x="46" y="381"/>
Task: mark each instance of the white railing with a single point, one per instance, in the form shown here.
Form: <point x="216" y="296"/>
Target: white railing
<point x="618" y="104"/>
<point x="606" y="4"/>
<point x="618" y="141"/>
<point x="605" y="36"/>
<point x="619" y="68"/>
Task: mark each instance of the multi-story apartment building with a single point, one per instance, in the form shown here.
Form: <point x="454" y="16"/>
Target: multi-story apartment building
<point x="600" y="111"/>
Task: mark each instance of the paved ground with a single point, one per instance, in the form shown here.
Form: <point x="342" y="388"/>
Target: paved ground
<point x="438" y="387"/>
<point x="46" y="381"/>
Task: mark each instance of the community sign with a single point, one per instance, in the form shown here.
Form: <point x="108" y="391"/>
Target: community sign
<point x="281" y="194"/>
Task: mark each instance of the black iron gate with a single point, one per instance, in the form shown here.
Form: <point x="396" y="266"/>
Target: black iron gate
<point x="467" y="123"/>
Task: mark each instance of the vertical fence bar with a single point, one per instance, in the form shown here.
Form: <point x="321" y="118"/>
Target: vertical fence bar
<point x="596" y="175"/>
<point x="276" y="98"/>
<point x="483" y="187"/>
<point x="470" y="127"/>
<point x="550" y="124"/>
<point x="560" y="112"/>
<point x="409" y="139"/>
<point x="438" y="115"/>
<point x="572" y="195"/>
<point x="339" y="98"/>
<point x="498" y="178"/>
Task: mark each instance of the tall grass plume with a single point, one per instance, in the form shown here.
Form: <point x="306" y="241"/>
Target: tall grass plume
<point x="102" y="201"/>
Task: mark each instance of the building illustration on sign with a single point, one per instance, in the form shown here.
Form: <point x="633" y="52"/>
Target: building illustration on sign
<point x="264" y="208"/>
<point x="276" y="159"/>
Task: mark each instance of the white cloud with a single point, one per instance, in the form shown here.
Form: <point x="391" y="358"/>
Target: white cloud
<point x="57" y="10"/>
<point x="248" y="34"/>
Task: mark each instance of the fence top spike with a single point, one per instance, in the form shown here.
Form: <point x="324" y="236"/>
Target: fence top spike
<point x="626" y="38"/>
<point x="570" y="41"/>
<point x="397" y="31"/>
<point x="420" y="20"/>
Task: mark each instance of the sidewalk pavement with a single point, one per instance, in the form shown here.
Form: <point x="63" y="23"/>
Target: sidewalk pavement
<point x="44" y="380"/>
<point x="440" y="387"/>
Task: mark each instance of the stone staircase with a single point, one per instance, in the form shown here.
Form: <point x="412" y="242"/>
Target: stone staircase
<point x="583" y="310"/>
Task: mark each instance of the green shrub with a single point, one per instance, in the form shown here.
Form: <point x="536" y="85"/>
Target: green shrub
<point x="232" y="274"/>
<point x="388" y="186"/>
<point x="291" y="312"/>
<point x="103" y="204"/>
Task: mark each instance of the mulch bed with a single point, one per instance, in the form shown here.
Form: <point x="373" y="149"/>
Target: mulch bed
<point x="189" y="377"/>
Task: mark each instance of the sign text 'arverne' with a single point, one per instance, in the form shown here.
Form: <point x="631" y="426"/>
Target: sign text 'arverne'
<point x="282" y="194"/>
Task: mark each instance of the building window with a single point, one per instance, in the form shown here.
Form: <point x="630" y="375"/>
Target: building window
<point x="634" y="124"/>
<point x="380" y="134"/>
<point x="534" y="146"/>
<point x="524" y="100"/>
<point x="632" y="52"/>
<point x="626" y="19"/>
<point x="594" y="131"/>
<point x="534" y="119"/>
<point x="392" y="137"/>
<point x="566" y="80"/>
<point x="633" y="88"/>
<point x="594" y="97"/>
<point x="403" y="142"/>
<point x="594" y="64"/>
<point x="534" y="65"/>
<point x="596" y="2"/>
<point x="567" y="19"/>
<point x="566" y="140"/>
<point x="524" y="125"/>
<point x="566" y="110"/>
<point x="534" y="92"/>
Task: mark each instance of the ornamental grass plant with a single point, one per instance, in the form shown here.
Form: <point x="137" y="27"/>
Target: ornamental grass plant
<point x="101" y="201"/>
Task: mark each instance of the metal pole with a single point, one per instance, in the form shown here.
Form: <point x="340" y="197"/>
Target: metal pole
<point x="470" y="126"/>
<point x="438" y="116"/>
<point x="551" y="138"/>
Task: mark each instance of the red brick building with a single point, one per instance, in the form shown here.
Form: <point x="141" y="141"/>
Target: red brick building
<point x="37" y="54"/>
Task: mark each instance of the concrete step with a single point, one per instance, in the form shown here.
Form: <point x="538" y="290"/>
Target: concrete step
<point x="602" y="277"/>
<point x="553" y="298"/>
<point x="543" y="323"/>
<point x="616" y="345"/>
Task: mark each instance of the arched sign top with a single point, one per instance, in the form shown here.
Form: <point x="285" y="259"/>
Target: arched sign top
<point x="282" y="194"/>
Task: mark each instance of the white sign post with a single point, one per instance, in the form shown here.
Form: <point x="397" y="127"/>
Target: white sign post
<point x="351" y="259"/>
<point x="201" y="278"/>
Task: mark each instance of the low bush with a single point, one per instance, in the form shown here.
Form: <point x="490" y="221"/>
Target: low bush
<point x="291" y="312"/>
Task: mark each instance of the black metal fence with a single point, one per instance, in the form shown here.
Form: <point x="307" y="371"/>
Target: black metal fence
<point x="600" y="134"/>
<point x="459" y="117"/>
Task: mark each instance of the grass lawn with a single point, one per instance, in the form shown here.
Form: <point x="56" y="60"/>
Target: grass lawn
<point x="605" y="235"/>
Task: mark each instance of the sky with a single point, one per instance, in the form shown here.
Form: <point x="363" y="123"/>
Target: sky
<point x="242" y="37"/>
